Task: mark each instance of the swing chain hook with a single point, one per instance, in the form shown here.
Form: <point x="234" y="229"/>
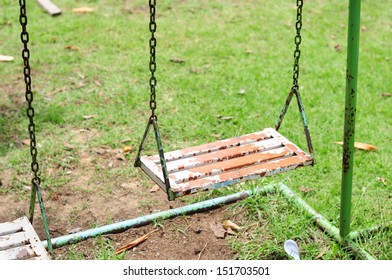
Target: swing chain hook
<point x="152" y="65"/>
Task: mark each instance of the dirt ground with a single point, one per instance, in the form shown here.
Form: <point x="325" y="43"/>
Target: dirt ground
<point x="88" y="199"/>
<point x="79" y="208"/>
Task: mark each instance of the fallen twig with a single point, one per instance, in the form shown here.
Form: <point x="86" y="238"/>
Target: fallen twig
<point x="202" y="250"/>
<point x="135" y="242"/>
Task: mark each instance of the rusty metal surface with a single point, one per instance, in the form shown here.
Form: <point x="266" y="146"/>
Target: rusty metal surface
<point x="227" y="162"/>
<point x="19" y="241"/>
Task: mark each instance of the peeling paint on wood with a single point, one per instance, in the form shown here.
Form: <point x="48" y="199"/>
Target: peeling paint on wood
<point x="19" y="241"/>
<point x="227" y="162"/>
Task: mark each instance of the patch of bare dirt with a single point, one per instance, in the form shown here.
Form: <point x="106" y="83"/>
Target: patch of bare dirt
<point x="183" y="238"/>
<point x="86" y="186"/>
<point x="89" y="199"/>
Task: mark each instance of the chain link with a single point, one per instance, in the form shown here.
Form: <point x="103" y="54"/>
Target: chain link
<point x="297" y="41"/>
<point x="36" y="181"/>
<point x="153" y="65"/>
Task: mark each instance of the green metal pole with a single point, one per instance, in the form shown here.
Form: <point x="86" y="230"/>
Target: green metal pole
<point x="349" y="117"/>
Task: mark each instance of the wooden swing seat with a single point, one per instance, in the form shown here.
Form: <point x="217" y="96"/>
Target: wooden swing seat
<point x="226" y="162"/>
<point x="19" y="241"/>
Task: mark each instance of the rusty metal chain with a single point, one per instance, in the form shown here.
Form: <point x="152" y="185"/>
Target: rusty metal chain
<point x="153" y="65"/>
<point x="297" y="41"/>
<point x="36" y="181"/>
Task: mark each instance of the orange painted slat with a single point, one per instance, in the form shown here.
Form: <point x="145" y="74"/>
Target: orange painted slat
<point x="227" y="165"/>
<point x="240" y="175"/>
<point x="222" y="155"/>
<point x="214" y="146"/>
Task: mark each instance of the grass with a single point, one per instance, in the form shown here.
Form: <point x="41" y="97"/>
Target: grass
<point x="228" y="47"/>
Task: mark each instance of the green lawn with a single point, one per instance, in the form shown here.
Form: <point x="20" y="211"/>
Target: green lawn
<point x="237" y="63"/>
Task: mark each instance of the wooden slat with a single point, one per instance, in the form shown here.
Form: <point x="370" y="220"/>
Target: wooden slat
<point x="33" y="238"/>
<point x="9" y="227"/>
<point x="154" y="171"/>
<point x="228" y="165"/>
<point x="20" y="241"/>
<point x="19" y="253"/>
<point x="13" y="240"/>
<point x="240" y="175"/>
<point x="222" y="155"/>
<point x="227" y="162"/>
<point x="214" y="146"/>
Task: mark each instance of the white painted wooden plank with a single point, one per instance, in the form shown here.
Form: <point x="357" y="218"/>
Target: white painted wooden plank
<point x="18" y="253"/>
<point x="21" y="242"/>
<point x="33" y="238"/>
<point x="214" y="146"/>
<point x="49" y="7"/>
<point x="220" y="167"/>
<point x="155" y="173"/>
<point x="13" y="240"/>
<point x="221" y="155"/>
<point x="9" y="227"/>
<point x="244" y="174"/>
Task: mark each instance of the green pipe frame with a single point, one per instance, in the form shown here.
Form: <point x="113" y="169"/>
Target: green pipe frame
<point x="212" y="204"/>
<point x="342" y="236"/>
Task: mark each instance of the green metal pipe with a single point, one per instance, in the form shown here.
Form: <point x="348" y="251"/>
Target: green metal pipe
<point x="208" y="205"/>
<point x="141" y="147"/>
<point x="165" y="173"/>
<point x="349" y="116"/>
<point x="368" y="231"/>
<point x="33" y="197"/>
<point x="168" y="214"/>
<point x="330" y="229"/>
<point x="44" y="219"/>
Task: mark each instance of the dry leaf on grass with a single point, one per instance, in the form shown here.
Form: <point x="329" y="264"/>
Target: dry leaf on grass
<point x="74" y="230"/>
<point x="231" y="232"/>
<point x="135" y="242"/>
<point x="177" y="60"/>
<point x="322" y="253"/>
<point x="224" y="118"/>
<point x="126" y="140"/>
<point x="83" y="10"/>
<point x="362" y="146"/>
<point x="6" y="58"/>
<point x="127" y="149"/>
<point x="218" y="229"/>
<point x="68" y="146"/>
<point x="154" y="189"/>
<point x="72" y="48"/>
<point x="386" y="94"/>
<point x="305" y="189"/>
<point x="121" y="157"/>
<point x="100" y="151"/>
<point x="88" y="117"/>
<point x="382" y="180"/>
<point x="241" y="91"/>
<point x="230" y="225"/>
